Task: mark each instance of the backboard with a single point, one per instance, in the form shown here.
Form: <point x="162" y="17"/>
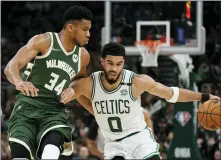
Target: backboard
<point x="178" y="23"/>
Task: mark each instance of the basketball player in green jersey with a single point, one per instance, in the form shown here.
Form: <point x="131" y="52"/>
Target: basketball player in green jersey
<point x="114" y="93"/>
<point x="38" y="123"/>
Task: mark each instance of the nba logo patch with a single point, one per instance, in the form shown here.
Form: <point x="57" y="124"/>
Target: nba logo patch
<point x="183" y="118"/>
<point x="75" y="58"/>
<point x="123" y="92"/>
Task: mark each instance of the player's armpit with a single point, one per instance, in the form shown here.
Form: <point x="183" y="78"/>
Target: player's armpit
<point x="37" y="44"/>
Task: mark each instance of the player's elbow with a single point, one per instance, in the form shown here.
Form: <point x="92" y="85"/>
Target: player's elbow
<point x="6" y="70"/>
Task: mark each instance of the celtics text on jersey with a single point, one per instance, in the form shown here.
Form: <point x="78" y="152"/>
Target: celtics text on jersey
<point x="117" y="112"/>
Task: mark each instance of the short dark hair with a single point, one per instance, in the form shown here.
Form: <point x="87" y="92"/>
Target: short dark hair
<point x="113" y="49"/>
<point x="77" y="13"/>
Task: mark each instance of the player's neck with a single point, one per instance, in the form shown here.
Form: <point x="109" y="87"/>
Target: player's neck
<point x="66" y="41"/>
<point x="110" y="87"/>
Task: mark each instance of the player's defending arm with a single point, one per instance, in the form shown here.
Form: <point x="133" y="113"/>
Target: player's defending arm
<point x="144" y="83"/>
<point x="85" y="59"/>
<point x="37" y="44"/>
<point x="81" y="87"/>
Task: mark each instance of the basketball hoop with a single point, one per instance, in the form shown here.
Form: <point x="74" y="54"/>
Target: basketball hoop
<point x="149" y="50"/>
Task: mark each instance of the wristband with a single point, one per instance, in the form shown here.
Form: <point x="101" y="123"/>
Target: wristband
<point x="205" y="97"/>
<point x="175" y="96"/>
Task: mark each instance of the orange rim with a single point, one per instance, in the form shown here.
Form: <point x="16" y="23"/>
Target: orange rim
<point x="150" y="44"/>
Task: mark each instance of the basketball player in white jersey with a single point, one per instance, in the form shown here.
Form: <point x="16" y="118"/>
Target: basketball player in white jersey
<point x="95" y="138"/>
<point x="113" y="94"/>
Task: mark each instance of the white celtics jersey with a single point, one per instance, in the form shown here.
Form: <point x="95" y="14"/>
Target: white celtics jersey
<point x="117" y="113"/>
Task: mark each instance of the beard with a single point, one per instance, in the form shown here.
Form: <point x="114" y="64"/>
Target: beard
<point x="111" y="81"/>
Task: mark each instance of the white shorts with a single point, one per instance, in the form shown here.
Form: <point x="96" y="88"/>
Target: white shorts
<point x="139" y="146"/>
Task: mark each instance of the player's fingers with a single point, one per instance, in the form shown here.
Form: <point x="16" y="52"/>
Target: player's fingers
<point x="63" y="94"/>
<point x="26" y="89"/>
<point x="215" y="97"/>
<point x="27" y="92"/>
<point x="34" y="90"/>
<point x="18" y="87"/>
<point x="68" y="96"/>
<point x="31" y="90"/>
<point x="22" y="91"/>
<point x="68" y="99"/>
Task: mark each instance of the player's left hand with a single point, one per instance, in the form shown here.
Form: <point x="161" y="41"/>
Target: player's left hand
<point x="212" y="97"/>
<point x="67" y="95"/>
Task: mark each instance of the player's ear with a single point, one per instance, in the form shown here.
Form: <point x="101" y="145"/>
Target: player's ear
<point x="70" y="27"/>
<point x="102" y="61"/>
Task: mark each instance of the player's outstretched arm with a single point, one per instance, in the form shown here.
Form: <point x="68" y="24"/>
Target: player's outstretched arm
<point x="37" y="44"/>
<point x="172" y="94"/>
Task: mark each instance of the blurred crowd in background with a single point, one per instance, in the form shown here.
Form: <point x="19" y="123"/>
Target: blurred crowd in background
<point x="22" y="20"/>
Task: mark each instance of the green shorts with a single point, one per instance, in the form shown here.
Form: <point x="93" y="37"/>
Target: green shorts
<point x="28" y="125"/>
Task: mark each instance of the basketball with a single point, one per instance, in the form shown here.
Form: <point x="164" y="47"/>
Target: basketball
<point x="209" y="115"/>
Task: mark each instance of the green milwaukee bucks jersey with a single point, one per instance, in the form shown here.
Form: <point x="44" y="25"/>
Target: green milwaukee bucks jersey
<point x="51" y="73"/>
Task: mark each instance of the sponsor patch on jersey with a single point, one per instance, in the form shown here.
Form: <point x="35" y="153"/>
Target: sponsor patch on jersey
<point x="183" y="118"/>
<point x="123" y="92"/>
<point x="75" y="58"/>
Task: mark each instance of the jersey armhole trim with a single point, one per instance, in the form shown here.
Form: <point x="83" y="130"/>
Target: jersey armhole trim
<point x="49" y="50"/>
<point x="93" y="87"/>
<point x="130" y="90"/>
<point x="79" y="61"/>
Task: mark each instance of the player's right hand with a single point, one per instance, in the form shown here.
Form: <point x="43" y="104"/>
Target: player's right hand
<point x="27" y="88"/>
<point x="67" y="95"/>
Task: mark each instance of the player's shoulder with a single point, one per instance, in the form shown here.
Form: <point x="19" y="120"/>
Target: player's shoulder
<point x="137" y="79"/>
<point x="84" y="51"/>
<point x="128" y="72"/>
<point x="41" y="40"/>
<point x="85" y="56"/>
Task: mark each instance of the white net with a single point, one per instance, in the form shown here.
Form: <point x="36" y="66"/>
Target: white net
<point x="149" y="53"/>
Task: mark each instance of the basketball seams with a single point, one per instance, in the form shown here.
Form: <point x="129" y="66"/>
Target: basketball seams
<point x="211" y="113"/>
<point x="211" y="122"/>
<point x="214" y="121"/>
<point x="214" y="108"/>
<point x="203" y="113"/>
<point x="214" y="114"/>
<point x="207" y="114"/>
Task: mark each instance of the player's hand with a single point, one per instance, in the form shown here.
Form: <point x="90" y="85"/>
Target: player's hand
<point x="212" y="97"/>
<point x="27" y="88"/>
<point x="67" y="95"/>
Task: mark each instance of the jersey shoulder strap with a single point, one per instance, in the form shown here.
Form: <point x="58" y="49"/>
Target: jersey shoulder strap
<point x="95" y="81"/>
<point x="128" y="78"/>
<point x="129" y="75"/>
